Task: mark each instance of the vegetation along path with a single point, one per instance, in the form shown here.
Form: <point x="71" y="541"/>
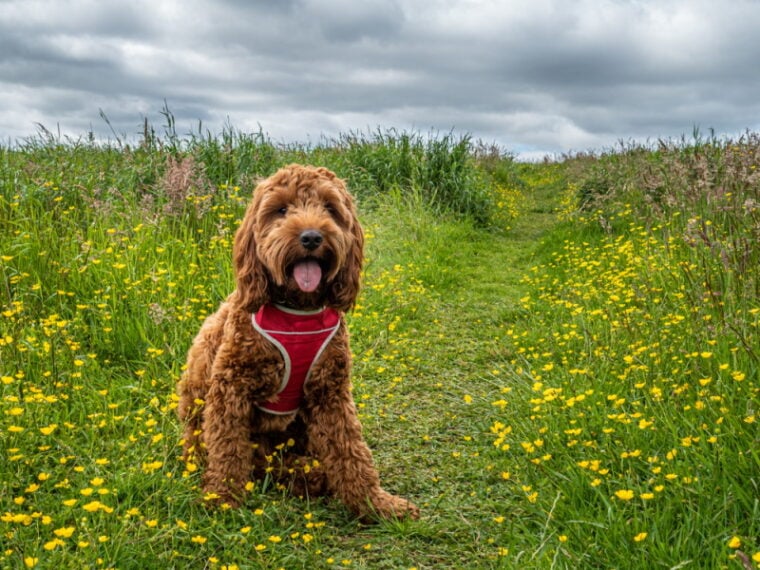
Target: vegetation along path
<point x="550" y="408"/>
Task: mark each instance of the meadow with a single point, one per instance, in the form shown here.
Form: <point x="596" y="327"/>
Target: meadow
<point x="557" y="362"/>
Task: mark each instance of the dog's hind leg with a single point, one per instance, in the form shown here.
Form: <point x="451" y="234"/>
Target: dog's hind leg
<point x="190" y="411"/>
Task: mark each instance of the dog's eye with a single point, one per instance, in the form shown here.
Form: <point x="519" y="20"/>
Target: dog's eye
<point x="282" y="211"/>
<point x="329" y="207"/>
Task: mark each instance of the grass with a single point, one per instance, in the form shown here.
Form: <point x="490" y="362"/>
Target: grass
<point x="555" y="387"/>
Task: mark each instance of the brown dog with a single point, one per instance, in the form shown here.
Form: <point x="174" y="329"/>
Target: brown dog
<point x="267" y="388"/>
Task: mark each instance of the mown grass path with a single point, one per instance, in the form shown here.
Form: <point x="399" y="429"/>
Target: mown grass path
<point x="427" y="421"/>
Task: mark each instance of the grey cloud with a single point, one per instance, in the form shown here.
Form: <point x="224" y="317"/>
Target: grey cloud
<point x="538" y="75"/>
<point x="351" y="21"/>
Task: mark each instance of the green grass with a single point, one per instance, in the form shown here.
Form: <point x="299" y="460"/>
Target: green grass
<point x="554" y="388"/>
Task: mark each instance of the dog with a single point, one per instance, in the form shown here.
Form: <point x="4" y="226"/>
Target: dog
<point x="266" y="391"/>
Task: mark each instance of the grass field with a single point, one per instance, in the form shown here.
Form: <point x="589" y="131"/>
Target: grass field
<point x="557" y="362"/>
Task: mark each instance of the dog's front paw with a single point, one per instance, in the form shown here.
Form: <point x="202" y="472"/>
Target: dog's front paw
<point x="221" y="501"/>
<point x="387" y="506"/>
<point x="221" y="496"/>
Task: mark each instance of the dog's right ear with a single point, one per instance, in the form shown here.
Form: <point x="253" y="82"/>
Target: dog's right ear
<point x="252" y="283"/>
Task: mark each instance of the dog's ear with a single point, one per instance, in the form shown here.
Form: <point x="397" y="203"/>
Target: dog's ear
<point x="346" y="285"/>
<point x="252" y="283"/>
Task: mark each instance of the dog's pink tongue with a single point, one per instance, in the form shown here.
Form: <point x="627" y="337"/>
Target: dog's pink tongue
<point x="307" y="274"/>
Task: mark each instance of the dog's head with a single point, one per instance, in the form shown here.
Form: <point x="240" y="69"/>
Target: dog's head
<point x="300" y="242"/>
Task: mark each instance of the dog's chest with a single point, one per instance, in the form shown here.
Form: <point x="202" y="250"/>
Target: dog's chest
<point x="301" y="338"/>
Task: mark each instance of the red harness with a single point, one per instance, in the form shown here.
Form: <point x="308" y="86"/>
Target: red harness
<point x="301" y="337"/>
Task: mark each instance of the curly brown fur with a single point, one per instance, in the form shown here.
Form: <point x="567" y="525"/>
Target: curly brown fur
<point x="231" y="367"/>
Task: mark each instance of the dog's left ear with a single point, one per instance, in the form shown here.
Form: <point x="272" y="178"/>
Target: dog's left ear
<point x="345" y="287"/>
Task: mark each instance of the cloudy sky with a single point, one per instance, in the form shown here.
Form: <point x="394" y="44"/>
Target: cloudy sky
<point x="535" y="76"/>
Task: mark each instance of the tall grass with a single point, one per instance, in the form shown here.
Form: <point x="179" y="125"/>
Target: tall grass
<point x="440" y="168"/>
<point x="702" y="199"/>
<point x="452" y="174"/>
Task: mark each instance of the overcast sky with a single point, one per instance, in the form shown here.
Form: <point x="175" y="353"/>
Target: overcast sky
<point x="535" y="76"/>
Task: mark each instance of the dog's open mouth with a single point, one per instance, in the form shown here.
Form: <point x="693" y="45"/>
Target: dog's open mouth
<point x="307" y="274"/>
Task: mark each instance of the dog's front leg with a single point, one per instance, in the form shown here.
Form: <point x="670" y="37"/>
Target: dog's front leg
<point x="227" y="435"/>
<point x="246" y="370"/>
<point x="335" y="440"/>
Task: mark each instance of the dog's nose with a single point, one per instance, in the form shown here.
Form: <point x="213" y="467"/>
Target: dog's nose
<point x="311" y="239"/>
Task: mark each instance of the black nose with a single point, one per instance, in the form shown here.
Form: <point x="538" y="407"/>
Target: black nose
<point x="311" y="239"/>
